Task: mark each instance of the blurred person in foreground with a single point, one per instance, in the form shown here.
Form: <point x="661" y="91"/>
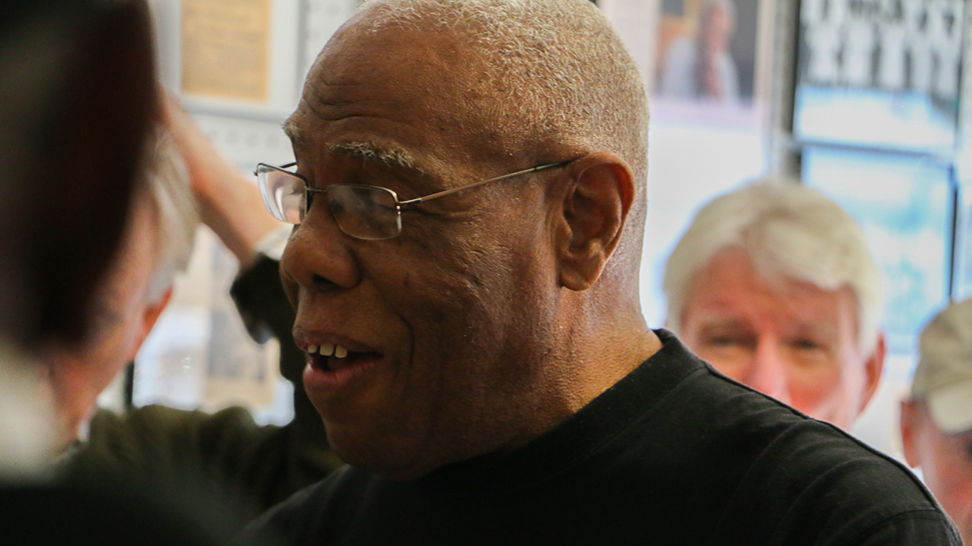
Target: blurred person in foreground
<point x="225" y="454"/>
<point x="936" y="419"/>
<point x="470" y="201"/>
<point x="76" y="99"/>
<point x="774" y="284"/>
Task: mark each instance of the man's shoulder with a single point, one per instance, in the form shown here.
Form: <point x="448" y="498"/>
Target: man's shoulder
<point x="814" y="483"/>
<point x="153" y="442"/>
<point x="759" y="433"/>
<point x="755" y="459"/>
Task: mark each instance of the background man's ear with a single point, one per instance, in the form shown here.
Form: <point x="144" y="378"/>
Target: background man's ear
<point x="874" y="368"/>
<point x="149" y="317"/>
<point x="595" y="206"/>
<point x="909" y="425"/>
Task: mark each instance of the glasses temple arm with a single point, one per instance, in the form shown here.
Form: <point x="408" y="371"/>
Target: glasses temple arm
<point x="283" y="168"/>
<point x="450" y="191"/>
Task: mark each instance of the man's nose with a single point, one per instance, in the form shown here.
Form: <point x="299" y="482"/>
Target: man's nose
<point x="767" y="372"/>
<point x="317" y="256"/>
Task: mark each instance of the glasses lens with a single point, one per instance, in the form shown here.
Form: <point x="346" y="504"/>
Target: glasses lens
<point x="283" y="193"/>
<point x="365" y="212"/>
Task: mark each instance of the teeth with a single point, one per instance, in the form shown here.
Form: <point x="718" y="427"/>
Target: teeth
<point x="328" y="349"/>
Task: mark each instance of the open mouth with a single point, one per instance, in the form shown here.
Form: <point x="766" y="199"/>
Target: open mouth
<point x="330" y="357"/>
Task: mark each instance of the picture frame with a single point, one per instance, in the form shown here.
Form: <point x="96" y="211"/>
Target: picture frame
<point x="665" y="37"/>
<point x="236" y="58"/>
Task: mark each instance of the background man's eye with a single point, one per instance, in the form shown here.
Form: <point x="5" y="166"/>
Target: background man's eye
<point x="807" y="344"/>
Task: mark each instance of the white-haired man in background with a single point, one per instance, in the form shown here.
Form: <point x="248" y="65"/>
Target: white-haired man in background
<point x="774" y="285"/>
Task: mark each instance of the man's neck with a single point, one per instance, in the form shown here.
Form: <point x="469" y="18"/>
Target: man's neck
<point x="589" y="363"/>
<point x="617" y="353"/>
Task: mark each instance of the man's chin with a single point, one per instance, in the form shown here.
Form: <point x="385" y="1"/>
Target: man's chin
<point x="378" y="455"/>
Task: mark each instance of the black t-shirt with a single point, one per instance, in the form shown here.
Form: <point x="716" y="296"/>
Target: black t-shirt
<point x="101" y="511"/>
<point x="674" y="453"/>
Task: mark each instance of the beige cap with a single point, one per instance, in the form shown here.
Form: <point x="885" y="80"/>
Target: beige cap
<point x="943" y="378"/>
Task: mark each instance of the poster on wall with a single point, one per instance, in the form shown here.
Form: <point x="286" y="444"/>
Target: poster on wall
<point x="707" y="58"/>
<point x="879" y="73"/>
<point x="232" y="58"/>
<point x="904" y="204"/>
<point x="226" y="49"/>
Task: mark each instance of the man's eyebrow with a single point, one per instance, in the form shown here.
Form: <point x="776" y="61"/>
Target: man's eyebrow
<point x="370" y="152"/>
<point x="816" y="328"/>
<point x="293" y="132"/>
<point x="364" y="150"/>
<point x="722" y="321"/>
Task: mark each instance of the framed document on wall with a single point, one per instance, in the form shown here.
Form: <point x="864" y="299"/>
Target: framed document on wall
<point x="241" y="58"/>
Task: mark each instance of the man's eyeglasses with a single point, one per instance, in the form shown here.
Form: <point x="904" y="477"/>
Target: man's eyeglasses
<point x="363" y="212"/>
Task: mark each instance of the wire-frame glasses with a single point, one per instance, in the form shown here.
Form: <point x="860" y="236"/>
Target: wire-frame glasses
<point x="362" y="212"/>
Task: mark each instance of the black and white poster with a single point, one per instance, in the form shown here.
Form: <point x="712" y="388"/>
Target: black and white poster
<point x="879" y="73"/>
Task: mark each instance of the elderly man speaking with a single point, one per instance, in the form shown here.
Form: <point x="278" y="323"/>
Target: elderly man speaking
<point x="470" y="199"/>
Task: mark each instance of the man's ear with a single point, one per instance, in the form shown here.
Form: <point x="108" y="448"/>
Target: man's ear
<point x="149" y="317"/>
<point x="909" y="431"/>
<point x="873" y="369"/>
<point x="594" y="208"/>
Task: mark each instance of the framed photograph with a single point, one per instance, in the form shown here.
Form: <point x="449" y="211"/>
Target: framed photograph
<point x="707" y="50"/>
<point x="710" y="58"/>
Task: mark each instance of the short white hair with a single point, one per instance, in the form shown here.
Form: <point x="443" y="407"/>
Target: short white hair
<point x="168" y="183"/>
<point x="788" y="231"/>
